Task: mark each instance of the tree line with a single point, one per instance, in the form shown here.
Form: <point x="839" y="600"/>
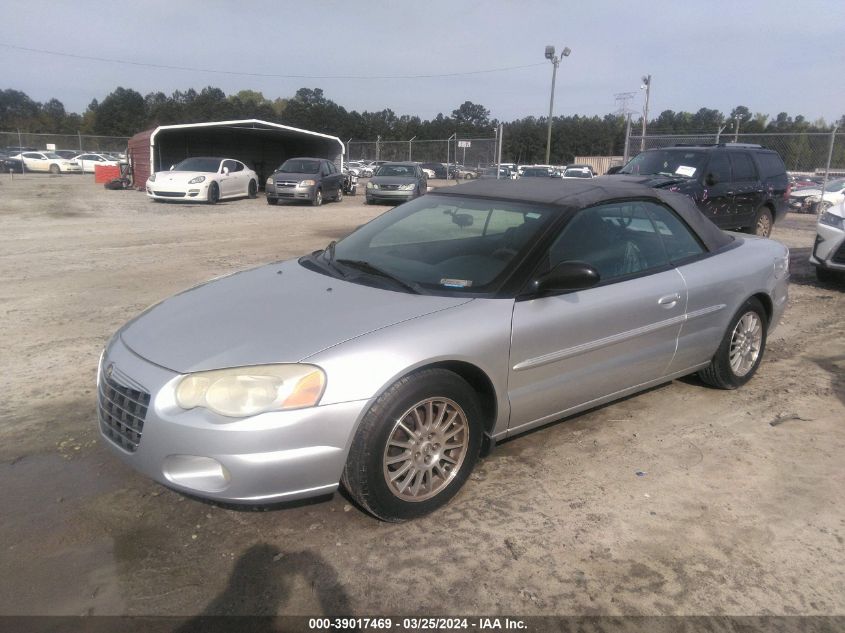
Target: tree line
<point x="125" y="112"/>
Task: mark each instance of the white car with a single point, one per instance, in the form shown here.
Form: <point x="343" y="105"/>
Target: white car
<point x="577" y="172"/>
<point x="429" y="173"/>
<point x="806" y="200"/>
<point x="89" y="161"/>
<point x="48" y="162"/>
<point x="207" y="179"/>
<point x="828" y="254"/>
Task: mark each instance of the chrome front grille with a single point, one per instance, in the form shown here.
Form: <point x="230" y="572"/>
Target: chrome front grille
<point x="122" y="411"/>
<point x="390" y="187"/>
<point x="286" y="183"/>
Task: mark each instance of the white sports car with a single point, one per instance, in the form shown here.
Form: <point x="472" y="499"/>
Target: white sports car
<point x="208" y="179"/>
<point x="48" y="161"/>
<point x="88" y="162"/>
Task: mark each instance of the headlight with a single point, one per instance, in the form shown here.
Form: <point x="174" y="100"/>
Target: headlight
<point x="152" y="178"/>
<point x="831" y="219"/>
<point x="307" y="183"/>
<point x="243" y="391"/>
<point x="406" y="187"/>
<point x="371" y="185"/>
<point x="269" y="182"/>
<point x="196" y="179"/>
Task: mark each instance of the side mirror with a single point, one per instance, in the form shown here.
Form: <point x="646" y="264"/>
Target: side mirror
<point x="711" y="179"/>
<point x="225" y="171"/>
<point x="566" y="276"/>
<point x="171" y="167"/>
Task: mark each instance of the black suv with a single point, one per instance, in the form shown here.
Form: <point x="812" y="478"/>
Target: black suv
<point x="736" y="185"/>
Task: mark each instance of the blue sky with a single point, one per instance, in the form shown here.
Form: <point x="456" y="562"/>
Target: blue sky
<point x="772" y="56"/>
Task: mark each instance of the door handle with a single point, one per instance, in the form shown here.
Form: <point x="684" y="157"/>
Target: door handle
<point x="669" y="301"/>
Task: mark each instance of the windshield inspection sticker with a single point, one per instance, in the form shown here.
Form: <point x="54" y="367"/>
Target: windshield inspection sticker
<point x="683" y="170"/>
<point x="456" y="283"/>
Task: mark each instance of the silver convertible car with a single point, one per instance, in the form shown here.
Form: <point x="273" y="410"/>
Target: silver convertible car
<point x="389" y="361"/>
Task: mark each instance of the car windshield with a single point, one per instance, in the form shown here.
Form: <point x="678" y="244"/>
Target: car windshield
<point x="198" y="164"/>
<point x="439" y="244"/>
<point x="675" y="162"/>
<point x="395" y="170"/>
<point x="835" y="185"/>
<point x="576" y="173"/>
<point x="300" y="166"/>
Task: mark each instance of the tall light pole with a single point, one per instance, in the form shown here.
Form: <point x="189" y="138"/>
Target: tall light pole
<point x="555" y="60"/>
<point x="646" y="85"/>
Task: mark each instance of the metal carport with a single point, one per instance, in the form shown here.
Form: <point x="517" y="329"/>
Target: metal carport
<point x="259" y="144"/>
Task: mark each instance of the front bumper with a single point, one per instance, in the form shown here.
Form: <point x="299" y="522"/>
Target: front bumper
<point x="393" y="195"/>
<point x="262" y="459"/>
<point x="191" y="192"/>
<point x="829" y="248"/>
<point x="291" y="193"/>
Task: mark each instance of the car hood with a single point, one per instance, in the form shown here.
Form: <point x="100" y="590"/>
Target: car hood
<point x="393" y="180"/>
<point x="803" y="193"/>
<point x="288" y="175"/>
<point x="180" y="177"/>
<point x="655" y="181"/>
<point x="281" y="312"/>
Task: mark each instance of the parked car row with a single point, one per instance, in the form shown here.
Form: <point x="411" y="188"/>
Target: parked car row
<point x="60" y="161"/>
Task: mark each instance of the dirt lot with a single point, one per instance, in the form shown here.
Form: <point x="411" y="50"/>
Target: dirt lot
<point x="739" y="509"/>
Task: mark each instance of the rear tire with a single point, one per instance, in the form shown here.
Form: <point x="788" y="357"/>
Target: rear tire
<point x="741" y="350"/>
<point x="762" y="226"/>
<point x="415" y="447"/>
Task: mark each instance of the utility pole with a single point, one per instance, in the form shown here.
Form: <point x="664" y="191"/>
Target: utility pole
<point x="646" y="85"/>
<point x="624" y="99"/>
<point x="737" y="119"/>
<point x="550" y="55"/>
<point x="409" y="147"/>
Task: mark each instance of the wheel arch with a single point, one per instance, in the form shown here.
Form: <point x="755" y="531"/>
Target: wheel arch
<point x="766" y="301"/>
<point x="476" y="377"/>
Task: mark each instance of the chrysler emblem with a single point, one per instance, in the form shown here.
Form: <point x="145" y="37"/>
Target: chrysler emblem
<point x="109" y="370"/>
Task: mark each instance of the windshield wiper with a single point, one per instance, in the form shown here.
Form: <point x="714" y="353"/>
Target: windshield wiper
<point x="367" y="267"/>
<point x="328" y="255"/>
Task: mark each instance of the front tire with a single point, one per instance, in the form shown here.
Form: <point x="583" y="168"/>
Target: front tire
<point x="741" y="351"/>
<point x="213" y="193"/>
<point x="55" y="170"/>
<point x="825" y="275"/>
<point x="272" y="201"/>
<point x="252" y="190"/>
<point x="318" y="198"/>
<point x="339" y="196"/>
<point x="415" y="447"/>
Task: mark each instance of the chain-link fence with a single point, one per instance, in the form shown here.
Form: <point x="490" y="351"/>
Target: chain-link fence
<point x="472" y="152"/>
<point x="803" y="152"/>
<point x="81" y="142"/>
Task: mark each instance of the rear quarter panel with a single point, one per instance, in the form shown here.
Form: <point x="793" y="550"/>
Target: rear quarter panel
<point x="718" y="286"/>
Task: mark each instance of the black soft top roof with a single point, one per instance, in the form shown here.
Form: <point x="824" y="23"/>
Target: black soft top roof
<point x="579" y="194"/>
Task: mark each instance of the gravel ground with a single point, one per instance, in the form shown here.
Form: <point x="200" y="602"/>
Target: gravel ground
<point x="738" y="509"/>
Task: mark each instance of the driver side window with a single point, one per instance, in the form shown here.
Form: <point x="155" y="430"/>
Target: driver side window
<point x="619" y="240"/>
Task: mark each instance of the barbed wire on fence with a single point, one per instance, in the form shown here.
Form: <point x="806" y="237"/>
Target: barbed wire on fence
<point x="471" y="152"/>
<point x="801" y="151"/>
<point x="81" y="142"/>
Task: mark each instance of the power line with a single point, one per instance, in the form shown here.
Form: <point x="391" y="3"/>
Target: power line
<point x="267" y="75"/>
